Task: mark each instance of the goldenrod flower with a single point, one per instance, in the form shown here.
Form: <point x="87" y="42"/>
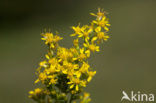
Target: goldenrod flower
<point x="101" y="20"/>
<point x="84" y="68"/>
<point x="53" y="79"/>
<point x="85" y="98"/>
<point x="42" y="77"/>
<point x="76" y="83"/>
<point x="77" y="30"/>
<point x="36" y="94"/>
<point x="75" y="42"/>
<point x="43" y="63"/>
<point x="36" y="91"/>
<point x="66" y="71"/>
<point x="92" y="47"/>
<point x="85" y="31"/>
<point x="90" y="74"/>
<point x="102" y="36"/>
<point x="50" y="39"/>
<point x="99" y="14"/>
<point x="82" y="55"/>
<point x="64" y="54"/>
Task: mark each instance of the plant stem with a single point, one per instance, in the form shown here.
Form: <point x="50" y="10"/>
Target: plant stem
<point x="70" y="99"/>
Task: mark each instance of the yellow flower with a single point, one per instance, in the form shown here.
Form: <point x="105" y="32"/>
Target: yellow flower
<point x="76" y="42"/>
<point x="74" y="51"/>
<point x="38" y="90"/>
<point x="99" y="14"/>
<point x="84" y="68"/>
<point x="43" y="63"/>
<point x="76" y="83"/>
<point x="87" y="52"/>
<point x="53" y="66"/>
<point x="69" y="65"/>
<point x="42" y="77"/>
<point x="86" y="32"/>
<point x="34" y="93"/>
<point x="90" y="75"/>
<point x="48" y="37"/>
<point x="70" y="73"/>
<point x="64" y="54"/>
<point x="85" y="98"/>
<point x="101" y="20"/>
<point x="101" y="35"/>
<point x="53" y="79"/>
<point x="51" y="39"/>
<point x="51" y="69"/>
<point x="69" y="69"/>
<point x="77" y="30"/>
<point x="66" y="70"/>
<point x="102" y="23"/>
<point x="92" y="47"/>
<point x="53" y="61"/>
<point x="82" y="55"/>
<point x="57" y="38"/>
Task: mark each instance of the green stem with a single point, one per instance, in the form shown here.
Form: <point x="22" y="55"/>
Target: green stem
<point x="70" y="99"/>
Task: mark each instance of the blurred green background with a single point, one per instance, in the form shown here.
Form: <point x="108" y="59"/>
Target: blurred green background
<point x="126" y="62"/>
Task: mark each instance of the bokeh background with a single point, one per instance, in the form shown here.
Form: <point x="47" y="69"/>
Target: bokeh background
<point x="126" y="62"/>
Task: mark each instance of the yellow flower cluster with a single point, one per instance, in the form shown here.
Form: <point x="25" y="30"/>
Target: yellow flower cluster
<point x="65" y="71"/>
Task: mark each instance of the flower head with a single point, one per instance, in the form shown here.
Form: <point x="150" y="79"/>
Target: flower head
<point x="66" y="71"/>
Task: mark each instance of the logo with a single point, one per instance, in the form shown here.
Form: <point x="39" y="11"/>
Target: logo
<point x="138" y="96"/>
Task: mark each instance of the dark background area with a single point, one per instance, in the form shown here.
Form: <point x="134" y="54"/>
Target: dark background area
<point x="126" y="62"/>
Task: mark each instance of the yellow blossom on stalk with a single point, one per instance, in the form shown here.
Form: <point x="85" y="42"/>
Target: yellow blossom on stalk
<point x="43" y="63"/>
<point x="74" y="51"/>
<point x="92" y="47"/>
<point x="85" y="32"/>
<point x="76" y="82"/>
<point x="66" y="71"/>
<point x="75" y="42"/>
<point x="103" y="23"/>
<point x="85" y="98"/>
<point x="36" y="94"/>
<point x="64" y="54"/>
<point x="51" y="39"/>
<point x="48" y="37"/>
<point x="90" y="74"/>
<point x="77" y="30"/>
<point x="98" y="29"/>
<point x="84" y="68"/>
<point x="82" y="55"/>
<point x="36" y="91"/>
<point x="102" y="36"/>
<point x="42" y="77"/>
<point x="101" y="20"/>
<point x="53" y="79"/>
<point x="70" y="73"/>
<point x="51" y="69"/>
<point x="99" y="14"/>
